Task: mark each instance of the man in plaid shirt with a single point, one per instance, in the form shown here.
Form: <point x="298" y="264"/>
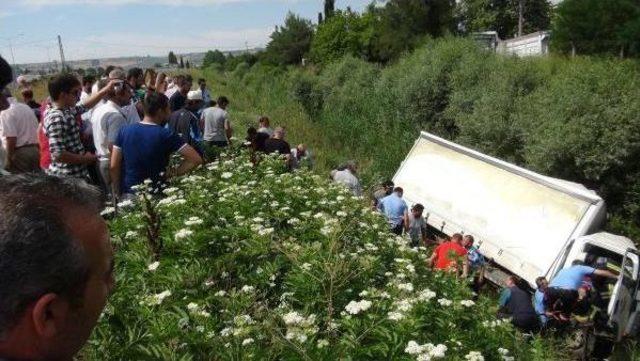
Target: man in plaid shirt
<point x="68" y="156"/>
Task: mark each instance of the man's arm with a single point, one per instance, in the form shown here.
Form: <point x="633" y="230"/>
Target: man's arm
<point x="55" y="131"/>
<point x="191" y="160"/>
<point x="115" y="169"/>
<point x="95" y="98"/>
<point x="605" y="273"/>
<point x="10" y="146"/>
<point x="227" y="129"/>
<point x="114" y="121"/>
<point x="405" y="221"/>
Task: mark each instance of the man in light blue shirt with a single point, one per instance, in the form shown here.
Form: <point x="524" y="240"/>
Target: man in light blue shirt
<point x="538" y="300"/>
<point x="394" y="209"/>
<point x="571" y="278"/>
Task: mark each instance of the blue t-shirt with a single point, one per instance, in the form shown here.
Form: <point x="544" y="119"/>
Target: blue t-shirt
<point x="571" y="278"/>
<point x="146" y="149"/>
<point x="394" y="208"/>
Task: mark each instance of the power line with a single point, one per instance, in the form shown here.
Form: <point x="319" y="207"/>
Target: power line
<point x="169" y="47"/>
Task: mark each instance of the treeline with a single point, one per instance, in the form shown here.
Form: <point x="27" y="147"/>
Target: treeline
<point x="573" y="119"/>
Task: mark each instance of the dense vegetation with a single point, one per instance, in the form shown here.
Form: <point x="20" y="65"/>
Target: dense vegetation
<point x="570" y="118"/>
<point x="242" y="262"/>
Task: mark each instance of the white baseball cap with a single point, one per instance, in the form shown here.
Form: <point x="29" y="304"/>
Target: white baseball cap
<point x="194" y="95"/>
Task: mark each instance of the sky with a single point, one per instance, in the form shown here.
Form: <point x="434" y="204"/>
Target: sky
<point x="109" y="28"/>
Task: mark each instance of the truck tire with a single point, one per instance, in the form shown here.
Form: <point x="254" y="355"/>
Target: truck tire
<point x="580" y="341"/>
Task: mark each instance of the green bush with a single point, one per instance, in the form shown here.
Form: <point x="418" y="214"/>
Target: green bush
<point x="259" y="263"/>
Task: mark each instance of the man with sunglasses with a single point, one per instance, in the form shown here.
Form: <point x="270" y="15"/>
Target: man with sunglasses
<point x="68" y="155"/>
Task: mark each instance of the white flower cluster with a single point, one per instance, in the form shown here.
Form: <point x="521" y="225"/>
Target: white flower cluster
<point x="183" y="233"/>
<point x="426" y="295"/>
<point x="355" y="307"/>
<point x="154" y="266"/>
<point x="426" y="352"/>
<point x="172" y="200"/>
<point x="495" y="323"/>
<point x="195" y="309"/>
<point x="504" y="353"/>
<point x="299" y="328"/>
<point x="445" y="302"/>
<point x="192" y="221"/>
<point x="154" y="300"/>
<point x="467" y="303"/>
<point x="241" y="327"/>
<point x="474" y="356"/>
<point x="408" y="287"/>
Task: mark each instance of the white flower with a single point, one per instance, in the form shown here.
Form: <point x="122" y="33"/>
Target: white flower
<point x="467" y="303"/>
<point x="258" y="220"/>
<point x="220" y="293"/>
<point x="226" y="175"/>
<point x="474" y="356"/>
<point x="183" y="233"/>
<point x="170" y="190"/>
<point x="354" y="307"/>
<point x="293" y="221"/>
<point x="247" y="289"/>
<point x="265" y="231"/>
<point x="405" y="287"/>
<point x="292" y="318"/>
<point x="426" y="295"/>
<point x="341" y="213"/>
<point x="158" y="298"/>
<point x="193" y="221"/>
<point x="444" y="302"/>
<point x="154" y="266"/>
<point x="107" y="211"/>
<point x="503" y="351"/>
<point x="413" y="348"/>
<point x="247" y="341"/>
<point x="306" y="266"/>
<point x="438" y="351"/>
<point x="131" y="234"/>
<point x="395" y="316"/>
<point x="227" y="331"/>
<point x="125" y="203"/>
<point x="323" y="343"/>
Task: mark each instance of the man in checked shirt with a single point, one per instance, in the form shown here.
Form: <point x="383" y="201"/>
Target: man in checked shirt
<point x="68" y="156"/>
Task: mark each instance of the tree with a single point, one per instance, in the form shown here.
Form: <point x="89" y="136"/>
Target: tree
<point x="502" y="16"/>
<point x="402" y="24"/>
<point x="181" y="62"/>
<point x="344" y="33"/>
<point x="173" y="59"/>
<point x="597" y="27"/>
<point x="187" y="65"/>
<point x="213" y="57"/>
<point x="329" y="8"/>
<point x="290" y="42"/>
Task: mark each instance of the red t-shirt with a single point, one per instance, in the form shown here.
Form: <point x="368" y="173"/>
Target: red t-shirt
<point x="43" y="141"/>
<point x="447" y="254"/>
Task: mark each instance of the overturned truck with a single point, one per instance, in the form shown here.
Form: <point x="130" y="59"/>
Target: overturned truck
<point x="527" y="224"/>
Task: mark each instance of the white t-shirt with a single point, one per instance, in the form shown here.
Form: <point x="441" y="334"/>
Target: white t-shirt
<point x="87" y="115"/>
<point x="266" y="130"/>
<point x="106" y="120"/>
<point x="349" y="180"/>
<point x="215" y="119"/>
<point x="20" y="122"/>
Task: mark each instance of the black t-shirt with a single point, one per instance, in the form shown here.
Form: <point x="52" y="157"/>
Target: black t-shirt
<point x="273" y="145"/>
<point x="177" y="101"/>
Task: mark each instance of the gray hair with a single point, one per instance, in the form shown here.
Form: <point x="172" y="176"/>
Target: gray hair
<point x="38" y="254"/>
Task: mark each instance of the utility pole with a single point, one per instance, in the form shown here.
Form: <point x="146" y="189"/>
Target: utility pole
<point x="246" y="45"/>
<point x="62" y="63"/>
<point x="520" y="16"/>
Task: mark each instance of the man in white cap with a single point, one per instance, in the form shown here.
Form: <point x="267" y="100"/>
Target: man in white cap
<point x="185" y="122"/>
<point x="106" y="120"/>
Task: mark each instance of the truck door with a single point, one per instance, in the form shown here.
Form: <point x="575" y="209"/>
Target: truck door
<point x="622" y="301"/>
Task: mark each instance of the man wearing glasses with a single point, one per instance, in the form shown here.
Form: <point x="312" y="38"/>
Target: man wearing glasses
<point x="68" y="155"/>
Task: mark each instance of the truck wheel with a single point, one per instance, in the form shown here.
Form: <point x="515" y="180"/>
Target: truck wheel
<point x="580" y="343"/>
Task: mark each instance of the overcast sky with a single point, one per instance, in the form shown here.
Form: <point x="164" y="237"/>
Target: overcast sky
<point x="107" y="28"/>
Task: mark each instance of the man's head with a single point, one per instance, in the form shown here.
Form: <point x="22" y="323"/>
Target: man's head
<point x="511" y="281"/>
<point x="202" y="84"/>
<point x="156" y="107"/>
<point x="135" y="78"/>
<point x="457" y="238"/>
<point x="302" y="149"/>
<point x="352" y="166"/>
<point x="279" y="133"/>
<point x="65" y="90"/>
<point x="388" y="186"/>
<point x="222" y="102"/>
<point x="57" y="265"/>
<point x="122" y="92"/>
<point x="194" y="100"/>
<point x="87" y="83"/>
<point x="417" y="210"/>
<point x="264" y="121"/>
<point x="398" y="191"/>
<point x="6" y="76"/>
<point x="542" y="283"/>
<point x="186" y="84"/>
<point x="27" y="95"/>
<point x="22" y="81"/>
<point x="467" y="241"/>
<point x="108" y="69"/>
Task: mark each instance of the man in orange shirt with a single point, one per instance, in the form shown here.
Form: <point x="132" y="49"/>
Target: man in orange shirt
<point x="449" y="254"/>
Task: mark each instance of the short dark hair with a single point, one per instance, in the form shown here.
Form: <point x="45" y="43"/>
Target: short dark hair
<point x="27" y="94"/>
<point x="108" y="69"/>
<point x="201" y="80"/>
<point x="539" y="281"/>
<point x="470" y="238"/>
<point x="37" y="249"/>
<point x="154" y="102"/>
<point x="134" y="73"/>
<point x="6" y="74"/>
<point x="456" y="237"/>
<point x="88" y="79"/>
<point x="62" y="83"/>
<point x="418" y="207"/>
<point x="222" y="100"/>
<point x="398" y="190"/>
<point x="388" y="183"/>
<point x="188" y="78"/>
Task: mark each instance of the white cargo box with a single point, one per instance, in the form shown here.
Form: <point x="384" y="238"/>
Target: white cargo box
<point x="520" y="219"/>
